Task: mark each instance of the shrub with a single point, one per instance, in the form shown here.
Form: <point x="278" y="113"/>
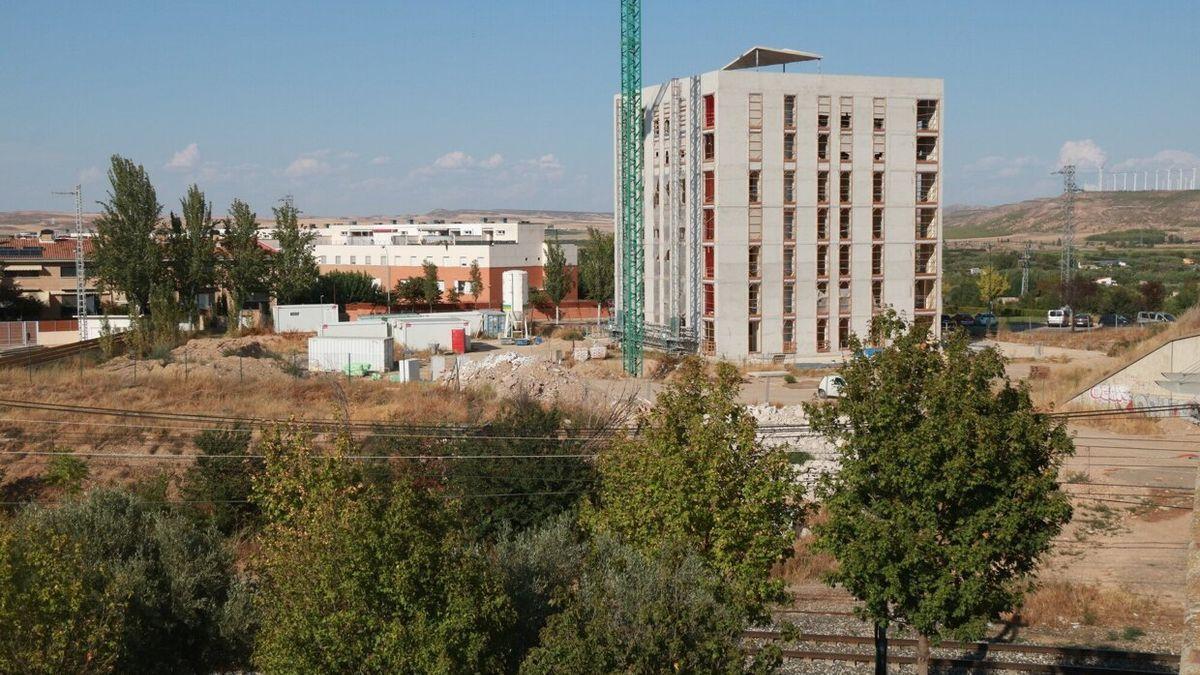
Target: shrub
<point x="573" y="334"/>
<point x="789" y="379"/>
<point x="221" y="481"/>
<point x="113" y="583"/>
<point x="67" y="472"/>
<point x="646" y="612"/>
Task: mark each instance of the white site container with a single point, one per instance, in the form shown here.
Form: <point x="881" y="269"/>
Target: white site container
<point x="371" y="329"/>
<point x="515" y="290"/>
<point x="303" y="318"/>
<point x="417" y="333"/>
<point x="337" y="354"/>
<point x="474" y="319"/>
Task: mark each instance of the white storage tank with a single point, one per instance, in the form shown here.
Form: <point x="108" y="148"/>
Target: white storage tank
<point x="409" y="371"/>
<point x="374" y="329"/>
<point x="303" y="318"/>
<point x="350" y="354"/>
<point x="515" y="290"/>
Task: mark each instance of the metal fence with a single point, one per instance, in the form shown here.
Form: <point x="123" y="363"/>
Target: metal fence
<point x="18" y="334"/>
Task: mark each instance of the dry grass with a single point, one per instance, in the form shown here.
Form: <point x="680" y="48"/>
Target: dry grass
<point x="1056" y="604"/>
<point x="805" y="566"/>
<point x="1111" y="341"/>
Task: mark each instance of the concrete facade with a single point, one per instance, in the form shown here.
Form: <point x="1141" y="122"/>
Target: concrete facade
<point x="1166" y="376"/>
<point x="765" y="141"/>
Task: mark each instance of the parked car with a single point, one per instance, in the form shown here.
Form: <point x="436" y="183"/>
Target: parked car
<point x="1154" y="317"/>
<point x="964" y="320"/>
<point x="986" y="319"/>
<point x="831" y="386"/>
<point x="1059" y="318"/>
<point x="1114" y="320"/>
<point x="1083" y="321"/>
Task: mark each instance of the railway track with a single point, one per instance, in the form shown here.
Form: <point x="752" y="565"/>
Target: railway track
<point x="972" y="656"/>
<point x="44" y="355"/>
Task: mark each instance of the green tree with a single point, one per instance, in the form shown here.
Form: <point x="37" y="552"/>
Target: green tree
<point x="1153" y="293"/>
<point x="192" y="251"/>
<point x="476" y="281"/>
<point x="294" y="270"/>
<point x="947" y="493"/>
<point x="991" y="284"/>
<point x="113" y="583"/>
<point x="127" y="257"/>
<point x="1184" y="299"/>
<point x="361" y="577"/>
<point x="346" y="287"/>
<point x="245" y="268"/>
<point x="556" y="277"/>
<point x="410" y="290"/>
<point x="429" y="283"/>
<point x="538" y="566"/>
<point x="596" y="278"/>
<point x="636" y="611"/>
<point x="695" y="477"/>
<point x="220" y="482"/>
<point x="508" y="458"/>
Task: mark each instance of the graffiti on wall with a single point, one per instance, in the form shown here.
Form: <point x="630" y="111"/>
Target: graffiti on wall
<point x="1119" y="396"/>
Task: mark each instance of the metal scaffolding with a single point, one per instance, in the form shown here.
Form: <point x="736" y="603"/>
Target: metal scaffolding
<point x="632" y="157"/>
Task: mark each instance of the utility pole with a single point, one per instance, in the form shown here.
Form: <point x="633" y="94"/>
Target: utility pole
<point x="81" y="312"/>
<point x="1025" y="260"/>
<point x="1068" y="235"/>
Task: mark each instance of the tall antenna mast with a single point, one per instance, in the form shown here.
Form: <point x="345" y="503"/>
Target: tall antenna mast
<point x="1068" y="235"/>
<point x="633" y="257"/>
<point x="81" y="312"/>
<point x="1025" y="260"/>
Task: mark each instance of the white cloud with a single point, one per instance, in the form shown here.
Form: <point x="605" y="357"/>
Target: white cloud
<point x="1163" y="159"/>
<point x="90" y="175"/>
<point x="184" y="159"/>
<point x="381" y="160"/>
<point x="302" y="167"/>
<point x="458" y="160"/>
<point x="1083" y="154"/>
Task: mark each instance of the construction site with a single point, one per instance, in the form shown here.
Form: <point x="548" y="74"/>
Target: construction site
<point x="764" y="220"/>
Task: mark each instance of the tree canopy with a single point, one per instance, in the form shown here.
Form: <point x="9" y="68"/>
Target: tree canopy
<point x="191" y="251"/>
<point x="557" y="281"/>
<point x="596" y="265"/>
<point x="947" y="494"/>
<point x="245" y="269"/>
<point x="126" y="257"/>
<point x="294" y="270"/>
<point x="695" y="477"/>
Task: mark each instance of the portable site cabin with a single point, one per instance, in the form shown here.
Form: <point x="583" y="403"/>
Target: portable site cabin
<point x="303" y="318"/>
<point x="351" y="355"/>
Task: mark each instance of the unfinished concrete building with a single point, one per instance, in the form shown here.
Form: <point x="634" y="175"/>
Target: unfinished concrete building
<point x="790" y="209"/>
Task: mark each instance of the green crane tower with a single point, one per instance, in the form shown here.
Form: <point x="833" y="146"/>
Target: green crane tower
<point x="633" y="259"/>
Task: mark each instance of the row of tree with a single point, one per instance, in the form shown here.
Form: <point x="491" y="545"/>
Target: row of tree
<point x="531" y="545"/>
<point x="515" y="552"/>
<point x="142" y="257"/>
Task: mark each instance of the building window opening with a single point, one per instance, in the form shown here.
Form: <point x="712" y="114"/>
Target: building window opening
<point x="846" y="147"/>
<point x="822" y="224"/>
<point x="927" y="115"/>
<point x="754" y="252"/>
<point x="753" y="183"/>
<point x="823" y="147"/>
<point x="877" y="224"/>
<point x="844" y="260"/>
<point x="844" y="224"/>
<point x="844" y="193"/>
<point x="877" y="187"/>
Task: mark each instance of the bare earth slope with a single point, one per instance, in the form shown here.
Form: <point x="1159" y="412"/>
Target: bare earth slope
<point x="1094" y="212"/>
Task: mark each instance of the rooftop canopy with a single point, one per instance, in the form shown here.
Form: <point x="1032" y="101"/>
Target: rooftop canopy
<point x="766" y="56"/>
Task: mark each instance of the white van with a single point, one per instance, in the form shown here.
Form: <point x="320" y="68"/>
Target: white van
<point x="1059" y="318"/>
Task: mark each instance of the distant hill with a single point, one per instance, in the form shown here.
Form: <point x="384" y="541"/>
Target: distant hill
<point x="1095" y="212"/>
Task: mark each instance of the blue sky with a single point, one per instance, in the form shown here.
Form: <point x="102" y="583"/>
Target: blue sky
<point x="395" y="106"/>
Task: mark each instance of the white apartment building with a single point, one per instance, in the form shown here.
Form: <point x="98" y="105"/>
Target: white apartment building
<point x="391" y="251"/>
<point x="790" y="210"/>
